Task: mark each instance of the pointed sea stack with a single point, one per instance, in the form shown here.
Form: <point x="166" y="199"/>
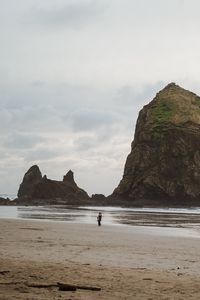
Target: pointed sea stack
<point x="31" y="178"/>
<point x="163" y="168"/>
<point x="38" y="190"/>
<point x="69" y="177"/>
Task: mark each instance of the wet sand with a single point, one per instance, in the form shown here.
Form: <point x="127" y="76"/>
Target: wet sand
<point x="126" y="262"/>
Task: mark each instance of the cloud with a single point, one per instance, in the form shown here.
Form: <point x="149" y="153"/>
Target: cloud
<point x="138" y="95"/>
<point x="91" y="120"/>
<point x="67" y="14"/>
<point x="41" y="154"/>
<point x="17" y="140"/>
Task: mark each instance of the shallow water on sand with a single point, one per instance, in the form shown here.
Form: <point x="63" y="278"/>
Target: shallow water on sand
<point x="171" y="217"/>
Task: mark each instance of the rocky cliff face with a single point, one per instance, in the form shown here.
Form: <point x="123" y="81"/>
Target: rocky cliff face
<point x="36" y="189"/>
<point x="163" y="167"/>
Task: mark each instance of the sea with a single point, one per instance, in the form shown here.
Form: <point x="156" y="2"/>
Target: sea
<point x="118" y="216"/>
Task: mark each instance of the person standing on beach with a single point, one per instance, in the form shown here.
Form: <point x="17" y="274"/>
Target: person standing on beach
<point x="99" y="218"/>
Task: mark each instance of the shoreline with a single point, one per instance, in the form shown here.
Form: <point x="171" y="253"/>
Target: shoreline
<point x="162" y="230"/>
<point x="121" y="205"/>
<point x="117" y="216"/>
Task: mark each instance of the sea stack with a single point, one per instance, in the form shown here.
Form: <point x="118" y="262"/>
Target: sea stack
<point x="31" y="178"/>
<point x="163" y="168"/>
<point x="38" y="190"/>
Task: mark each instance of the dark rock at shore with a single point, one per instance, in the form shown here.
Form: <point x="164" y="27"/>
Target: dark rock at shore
<point x="163" y="168"/>
<point x="5" y="201"/>
<point x="38" y="190"/>
<point x="100" y="199"/>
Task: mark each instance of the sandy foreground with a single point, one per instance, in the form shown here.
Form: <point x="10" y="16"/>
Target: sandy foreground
<point x="125" y="262"/>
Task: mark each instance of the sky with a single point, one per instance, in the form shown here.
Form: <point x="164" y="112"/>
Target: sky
<point x="74" y="75"/>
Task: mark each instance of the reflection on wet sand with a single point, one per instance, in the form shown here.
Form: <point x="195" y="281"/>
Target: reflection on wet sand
<point x="113" y="216"/>
<point x="159" y="219"/>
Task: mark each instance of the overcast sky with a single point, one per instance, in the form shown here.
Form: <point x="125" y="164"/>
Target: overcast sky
<point x="74" y="75"/>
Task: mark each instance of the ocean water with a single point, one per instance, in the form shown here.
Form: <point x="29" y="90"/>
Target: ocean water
<point x="160" y="217"/>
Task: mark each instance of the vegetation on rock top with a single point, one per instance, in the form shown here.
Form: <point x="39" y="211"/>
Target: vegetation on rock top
<point x="162" y="112"/>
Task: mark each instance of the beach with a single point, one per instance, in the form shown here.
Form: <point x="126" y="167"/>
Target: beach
<point x="125" y="262"/>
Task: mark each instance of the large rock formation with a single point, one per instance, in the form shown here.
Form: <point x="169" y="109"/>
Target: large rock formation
<point x="163" y="167"/>
<point x="36" y="189"/>
<point x="31" y="178"/>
